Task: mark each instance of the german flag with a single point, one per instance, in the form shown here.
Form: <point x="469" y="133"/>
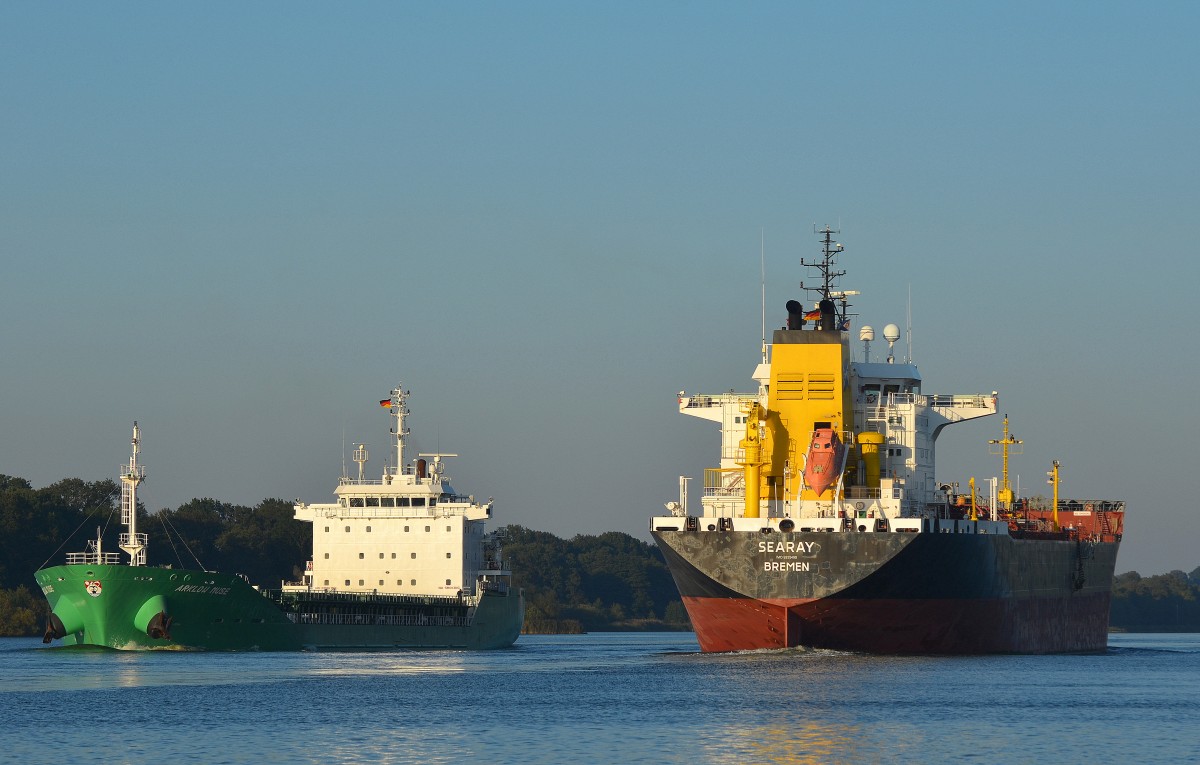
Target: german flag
<point x="386" y="403"/>
<point x="813" y="315"/>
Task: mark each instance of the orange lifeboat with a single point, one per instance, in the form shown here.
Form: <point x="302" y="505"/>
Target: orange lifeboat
<point x="824" y="460"/>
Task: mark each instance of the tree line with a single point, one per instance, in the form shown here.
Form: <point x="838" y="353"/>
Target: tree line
<point x="609" y="581"/>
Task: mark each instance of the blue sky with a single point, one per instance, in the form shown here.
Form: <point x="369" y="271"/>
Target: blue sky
<point x="242" y="226"/>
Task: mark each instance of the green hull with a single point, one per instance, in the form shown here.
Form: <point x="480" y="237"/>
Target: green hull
<point x="140" y="607"/>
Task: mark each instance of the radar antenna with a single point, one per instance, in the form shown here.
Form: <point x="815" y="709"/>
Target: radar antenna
<point x="833" y="317"/>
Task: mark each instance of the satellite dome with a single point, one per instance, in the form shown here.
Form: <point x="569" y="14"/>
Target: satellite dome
<point x="891" y="333"/>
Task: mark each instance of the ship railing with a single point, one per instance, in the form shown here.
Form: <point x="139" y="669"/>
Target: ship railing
<point x="705" y="401"/>
<point x="94" y="559"/>
<point x="725" y="491"/>
<point x="862" y="492"/>
<point x="973" y="401"/>
<point x="1070" y="505"/>
<point x="333" y="595"/>
<point x="435" y="511"/>
<point x="385" y="620"/>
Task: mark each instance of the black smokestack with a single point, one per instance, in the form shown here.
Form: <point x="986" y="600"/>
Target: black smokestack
<point x="795" y="314"/>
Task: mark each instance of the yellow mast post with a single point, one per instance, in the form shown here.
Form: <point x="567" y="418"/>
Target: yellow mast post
<point x="1008" y="445"/>
<point x="1054" y="482"/>
<point x="974" y="512"/>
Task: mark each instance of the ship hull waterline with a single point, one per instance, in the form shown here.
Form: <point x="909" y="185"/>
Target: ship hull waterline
<point x="113" y="606"/>
<point x="895" y="593"/>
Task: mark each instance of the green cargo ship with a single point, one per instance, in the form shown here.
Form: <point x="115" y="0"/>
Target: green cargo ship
<point x="452" y="591"/>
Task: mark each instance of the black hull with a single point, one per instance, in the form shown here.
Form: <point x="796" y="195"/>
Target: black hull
<point x="945" y="590"/>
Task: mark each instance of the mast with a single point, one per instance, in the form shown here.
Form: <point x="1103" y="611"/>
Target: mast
<point x="1010" y="444"/>
<point x="398" y="403"/>
<point x="132" y="474"/>
<point x="831" y="318"/>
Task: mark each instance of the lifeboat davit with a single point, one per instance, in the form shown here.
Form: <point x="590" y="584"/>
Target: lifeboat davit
<point x="824" y="460"/>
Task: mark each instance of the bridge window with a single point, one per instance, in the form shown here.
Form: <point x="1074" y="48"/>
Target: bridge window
<point x="401" y="501"/>
<point x="356" y="502"/>
<point x="372" y="501"/>
<point x="389" y="501"/>
<point x="418" y="501"/>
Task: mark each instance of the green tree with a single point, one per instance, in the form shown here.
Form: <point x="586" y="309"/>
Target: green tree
<point x="21" y="613"/>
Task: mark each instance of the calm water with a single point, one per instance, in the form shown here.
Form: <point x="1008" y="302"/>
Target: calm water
<point x="600" y="698"/>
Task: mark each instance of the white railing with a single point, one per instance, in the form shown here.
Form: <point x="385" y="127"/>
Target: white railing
<point x="402" y="620"/>
<point x="94" y="559"/>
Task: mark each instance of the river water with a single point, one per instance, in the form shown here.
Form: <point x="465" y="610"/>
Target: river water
<point x="600" y="698"/>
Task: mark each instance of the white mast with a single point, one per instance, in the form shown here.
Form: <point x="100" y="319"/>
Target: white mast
<point x="398" y="405"/>
<point x="133" y="474"/>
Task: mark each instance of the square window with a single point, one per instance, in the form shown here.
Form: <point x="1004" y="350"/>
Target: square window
<point x="447" y="555"/>
<point x="380" y="582"/>
<point x="327" y="528"/>
<point x="414" y="556"/>
<point x="347" y="528"/>
<point x="449" y="528"/>
<point x="393" y="556"/>
<point x="413" y="582"/>
<point x="360" y="556"/>
<point x="427" y="528"/>
<point x="447" y="582"/>
<point x="326" y="556"/>
<point x="347" y="582"/>
<point x="381" y="558"/>
<point x="360" y="583"/>
<point x="326" y="582"/>
<point x="368" y="528"/>
<point x="406" y="528"/>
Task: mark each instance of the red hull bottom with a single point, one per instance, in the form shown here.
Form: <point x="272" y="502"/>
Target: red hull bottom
<point x="1066" y="624"/>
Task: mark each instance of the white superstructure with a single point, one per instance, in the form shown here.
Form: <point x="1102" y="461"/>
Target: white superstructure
<point x="888" y="401"/>
<point x="405" y="533"/>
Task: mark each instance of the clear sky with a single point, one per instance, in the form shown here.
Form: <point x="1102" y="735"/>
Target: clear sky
<point x="242" y="224"/>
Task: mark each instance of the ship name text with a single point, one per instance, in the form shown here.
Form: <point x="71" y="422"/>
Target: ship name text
<point x="785" y="565"/>
<point x="786" y="547"/>
<point x="203" y="589"/>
